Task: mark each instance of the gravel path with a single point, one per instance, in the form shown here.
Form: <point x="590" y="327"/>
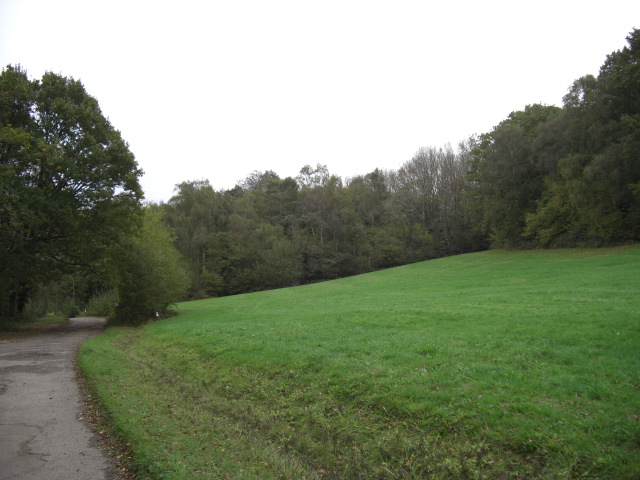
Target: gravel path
<point x="42" y="433"/>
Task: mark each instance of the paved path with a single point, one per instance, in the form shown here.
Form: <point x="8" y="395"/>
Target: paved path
<point x="41" y="434"/>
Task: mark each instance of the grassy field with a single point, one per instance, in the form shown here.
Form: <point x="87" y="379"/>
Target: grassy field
<point x="497" y="365"/>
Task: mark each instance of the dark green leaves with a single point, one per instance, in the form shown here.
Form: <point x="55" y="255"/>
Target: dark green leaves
<point x="68" y="182"/>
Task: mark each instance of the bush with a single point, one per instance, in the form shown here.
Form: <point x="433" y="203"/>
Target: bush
<point x="151" y="276"/>
<point x="103" y="304"/>
<point x="73" y="311"/>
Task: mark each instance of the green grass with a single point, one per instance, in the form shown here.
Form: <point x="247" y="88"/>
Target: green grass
<point x="497" y="365"/>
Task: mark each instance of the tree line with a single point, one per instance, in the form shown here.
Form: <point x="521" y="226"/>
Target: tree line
<point x="271" y="232"/>
<point x="546" y="176"/>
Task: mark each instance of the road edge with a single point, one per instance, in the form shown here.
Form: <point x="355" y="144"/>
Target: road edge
<point x="97" y="418"/>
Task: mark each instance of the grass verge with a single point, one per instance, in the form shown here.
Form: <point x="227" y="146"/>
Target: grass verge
<point x="493" y="365"/>
<point x="14" y="331"/>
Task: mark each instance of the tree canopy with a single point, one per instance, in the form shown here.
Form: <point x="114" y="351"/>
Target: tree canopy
<point x="591" y="192"/>
<point x="69" y="185"/>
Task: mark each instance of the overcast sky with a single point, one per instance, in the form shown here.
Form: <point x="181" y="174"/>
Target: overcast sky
<point x="218" y="89"/>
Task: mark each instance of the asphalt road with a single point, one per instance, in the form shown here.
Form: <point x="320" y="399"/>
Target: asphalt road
<point x="42" y="435"/>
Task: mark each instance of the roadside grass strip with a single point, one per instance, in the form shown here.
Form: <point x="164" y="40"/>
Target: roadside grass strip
<point x="495" y="365"/>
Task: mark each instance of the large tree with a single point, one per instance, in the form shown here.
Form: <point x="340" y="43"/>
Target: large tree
<point x="594" y="195"/>
<point x="508" y="173"/>
<point x="68" y="183"/>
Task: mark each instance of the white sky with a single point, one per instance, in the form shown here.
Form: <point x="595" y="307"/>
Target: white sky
<point x="218" y="89"/>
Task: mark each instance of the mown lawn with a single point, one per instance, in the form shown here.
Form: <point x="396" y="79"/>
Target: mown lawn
<point x="497" y="365"/>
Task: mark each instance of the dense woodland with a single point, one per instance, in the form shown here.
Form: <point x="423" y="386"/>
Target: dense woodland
<point x="546" y="176"/>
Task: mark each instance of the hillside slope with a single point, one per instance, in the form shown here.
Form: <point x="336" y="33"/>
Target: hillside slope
<point x="489" y="365"/>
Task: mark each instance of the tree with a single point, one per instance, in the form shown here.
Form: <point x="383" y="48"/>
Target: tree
<point x="593" y="196"/>
<point x="198" y="216"/>
<point x="263" y="258"/>
<point x="369" y="194"/>
<point x="507" y="174"/>
<point x="150" y="272"/>
<point x="313" y="177"/>
<point x="68" y="183"/>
